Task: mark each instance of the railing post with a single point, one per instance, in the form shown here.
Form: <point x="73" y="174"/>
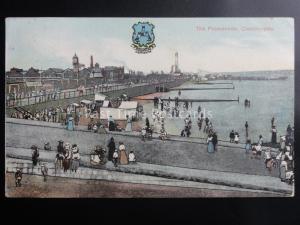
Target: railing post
<point x="34" y="99"/>
<point x="28" y="100"/>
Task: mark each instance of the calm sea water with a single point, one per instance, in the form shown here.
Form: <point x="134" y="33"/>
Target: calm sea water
<point x="268" y="99"/>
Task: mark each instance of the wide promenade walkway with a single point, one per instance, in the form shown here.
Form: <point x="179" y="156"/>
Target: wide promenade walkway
<point x="149" y="174"/>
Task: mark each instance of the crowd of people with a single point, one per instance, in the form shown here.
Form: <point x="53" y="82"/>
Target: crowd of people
<point x="283" y="160"/>
<point x="55" y="114"/>
<point x="68" y="157"/>
<point x="116" y="155"/>
<point x="50" y="114"/>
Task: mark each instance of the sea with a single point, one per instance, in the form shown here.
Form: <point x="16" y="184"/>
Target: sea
<point x="268" y="98"/>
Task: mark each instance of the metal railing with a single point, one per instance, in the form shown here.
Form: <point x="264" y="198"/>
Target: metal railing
<point x="77" y="93"/>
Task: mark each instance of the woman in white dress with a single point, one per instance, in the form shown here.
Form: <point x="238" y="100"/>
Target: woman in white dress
<point x="129" y="124"/>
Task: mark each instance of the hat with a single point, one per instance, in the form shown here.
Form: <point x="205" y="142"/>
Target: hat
<point x="34" y="147"/>
<point x="60" y="141"/>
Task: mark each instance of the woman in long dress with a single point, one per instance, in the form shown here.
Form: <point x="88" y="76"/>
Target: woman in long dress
<point x="111" y="149"/>
<point x="282" y="143"/>
<point x="283" y="169"/>
<point x="236" y="138"/>
<point x="210" y="146"/>
<point x="122" y="154"/>
<point x="128" y="126"/>
<point x="75" y="158"/>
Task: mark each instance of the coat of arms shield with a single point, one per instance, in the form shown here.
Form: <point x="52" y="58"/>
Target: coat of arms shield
<point x="143" y="37"/>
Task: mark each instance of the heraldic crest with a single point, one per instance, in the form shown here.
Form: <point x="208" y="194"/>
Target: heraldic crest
<point x="143" y="37"/>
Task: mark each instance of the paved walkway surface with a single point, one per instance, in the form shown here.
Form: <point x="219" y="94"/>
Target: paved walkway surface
<point x="130" y="134"/>
<point x="177" y="151"/>
<point x="151" y="174"/>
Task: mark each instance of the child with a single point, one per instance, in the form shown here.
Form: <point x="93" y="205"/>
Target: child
<point x="115" y="158"/>
<point x="18" y="177"/>
<point x="131" y="157"/>
<point x="248" y="146"/>
<point x="236" y="138"/>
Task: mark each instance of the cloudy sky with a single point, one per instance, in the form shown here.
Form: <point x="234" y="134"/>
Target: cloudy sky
<point x="210" y="44"/>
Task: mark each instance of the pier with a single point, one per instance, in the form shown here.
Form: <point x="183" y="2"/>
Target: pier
<point x="211" y="83"/>
<point x="193" y="100"/>
<point x="197" y="89"/>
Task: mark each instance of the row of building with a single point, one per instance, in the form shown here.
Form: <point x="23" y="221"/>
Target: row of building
<point x="56" y="78"/>
<point x="107" y="73"/>
<point x="19" y="80"/>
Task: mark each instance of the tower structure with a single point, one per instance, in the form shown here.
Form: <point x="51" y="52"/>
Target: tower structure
<point x="92" y="63"/>
<point x="75" y="62"/>
<point x="176" y="63"/>
<point x="175" y="68"/>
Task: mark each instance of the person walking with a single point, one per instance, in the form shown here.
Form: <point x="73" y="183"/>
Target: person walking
<point x="215" y="140"/>
<point x="246" y="126"/>
<point x="35" y="155"/>
<point x="260" y="140"/>
<point x="199" y="109"/>
<point x="248" y="146"/>
<point x="111" y="149"/>
<point x="123" y="156"/>
<point x="274" y="135"/>
<point x="18" y="177"/>
<point x="147" y="123"/>
<point x="236" y="137"/>
<point x="210" y="146"/>
<point x="129" y="124"/>
<point x="115" y="158"/>
<point x="44" y="170"/>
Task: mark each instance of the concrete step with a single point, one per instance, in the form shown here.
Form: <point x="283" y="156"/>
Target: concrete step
<point x="237" y="180"/>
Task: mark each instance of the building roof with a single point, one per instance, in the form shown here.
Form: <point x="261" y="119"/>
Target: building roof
<point x="32" y="72"/>
<point x="115" y="113"/>
<point x="105" y="103"/>
<point x="56" y="70"/>
<point x="128" y="105"/>
<point x="99" y="97"/>
<point x="33" y="83"/>
<point x="87" y="102"/>
<point x="69" y="73"/>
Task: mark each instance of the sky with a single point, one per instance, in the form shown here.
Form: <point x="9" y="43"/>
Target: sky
<point x="209" y="44"/>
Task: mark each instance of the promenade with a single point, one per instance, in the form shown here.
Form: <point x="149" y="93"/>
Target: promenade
<point x="143" y="173"/>
<point x="131" y="90"/>
<point x="178" y="158"/>
<point x="176" y="151"/>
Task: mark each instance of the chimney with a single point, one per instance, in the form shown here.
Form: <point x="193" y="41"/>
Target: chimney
<point x="92" y="64"/>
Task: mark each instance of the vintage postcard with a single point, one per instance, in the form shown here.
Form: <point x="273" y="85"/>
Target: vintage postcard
<point x="149" y="107"/>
